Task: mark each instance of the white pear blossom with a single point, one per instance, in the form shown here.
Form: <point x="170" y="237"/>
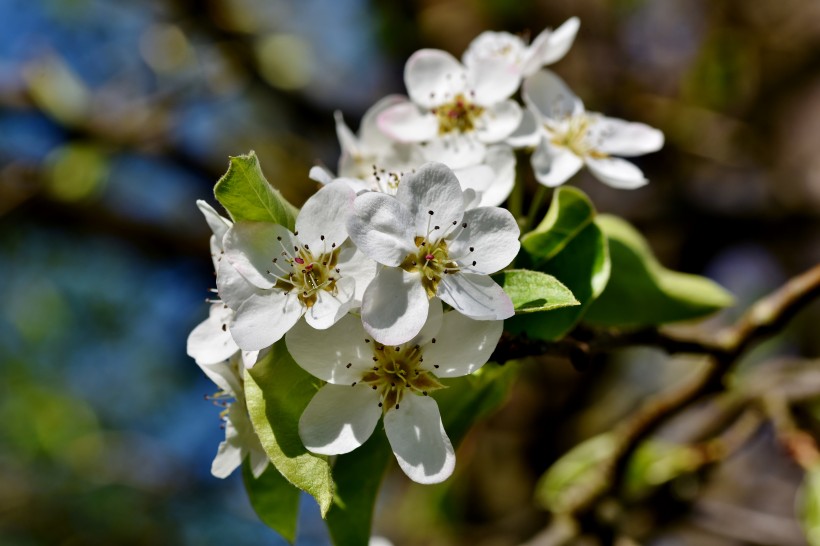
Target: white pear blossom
<point x="455" y="110"/>
<point x="567" y="137"/>
<point x="315" y="272"/>
<point x="549" y="47"/>
<point x="367" y="380"/>
<point x="430" y="246"/>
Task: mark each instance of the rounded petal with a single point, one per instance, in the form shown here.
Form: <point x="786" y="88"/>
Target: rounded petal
<point x="210" y="342"/>
<point x="492" y="80"/>
<point x="371" y="137"/>
<point x="499" y="121"/>
<point x="406" y="122"/>
<point x="554" y="165"/>
<point x="264" y="318"/>
<point x="551" y="46"/>
<point x="491" y="242"/>
<point x="250" y="358"/>
<point x="502" y="161"/>
<point x="228" y="455"/>
<point x="549" y="97"/>
<point x="321" y="222"/>
<point x="329" y="307"/>
<point x="528" y="133"/>
<point x="432" y="325"/>
<point x="617" y="173"/>
<point x="456" y="150"/>
<point x="382" y="227"/>
<point x="418" y="440"/>
<point x="354" y="264"/>
<point x="433" y="196"/>
<point x="219" y="225"/>
<point x="326" y="354"/>
<point x="477" y="178"/>
<point x="395" y="306"/>
<point x="462" y="345"/>
<point x="624" y="138"/>
<point x="320" y="175"/>
<point x="477" y="296"/>
<point x="339" y="418"/>
<point x="433" y="76"/>
<point x="494" y="45"/>
<point x="250" y="247"/>
<point x="232" y="287"/>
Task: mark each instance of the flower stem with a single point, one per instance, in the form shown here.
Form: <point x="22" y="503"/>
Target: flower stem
<point x="535" y="206"/>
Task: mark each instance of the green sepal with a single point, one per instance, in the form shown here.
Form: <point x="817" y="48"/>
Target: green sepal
<point x="808" y="505"/>
<point x="277" y="391"/>
<point x="274" y="499"/>
<point x="247" y="195"/>
<point x="641" y="292"/>
<point x="532" y="291"/>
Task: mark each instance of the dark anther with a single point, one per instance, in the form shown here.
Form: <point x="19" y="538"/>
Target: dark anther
<point x="433" y="340"/>
<point x="430" y="212"/>
<point x="435" y="365"/>
<point x="224" y="327"/>
<point x="473" y="262"/>
<point x="464" y="225"/>
<point x="322" y="237"/>
<point x="472" y="248"/>
<point x="354" y="384"/>
<point x="349" y="364"/>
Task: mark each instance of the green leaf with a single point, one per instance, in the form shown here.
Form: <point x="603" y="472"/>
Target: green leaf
<point x="569" y="213"/>
<point x="532" y="291"/>
<point x="277" y="391"/>
<point x="274" y="500"/>
<point x="808" y="505"/>
<point x="578" y="469"/>
<point x="247" y="195"/>
<point x="358" y="476"/>
<point x="641" y="292"/>
<point x="655" y="463"/>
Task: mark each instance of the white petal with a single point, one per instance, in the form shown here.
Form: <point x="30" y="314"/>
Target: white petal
<point x="354" y="264"/>
<point x="395" y="306"/>
<point x="347" y="140"/>
<point x="492" y="80"/>
<point x="617" y="173"/>
<point x="232" y="287"/>
<point x="406" y="122"/>
<point x="210" y="342"/>
<point x="477" y="296"/>
<point x="551" y="46"/>
<point x="499" y="121"/>
<point x="339" y="418"/>
<point x="371" y="138"/>
<point x="432" y="188"/>
<point x="549" y="97"/>
<point x="382" y="228"/>
<point x="472" y="199"/>
<point x="325" y="215"/>
<point x="432" y="325"/>
<point x="528" y="132"/>
<point x="418" y="440"/>
<point x="554" y="165"/>
<point x="478" y="177"/>
<point x="250" y="247"/>
<point x="326" y="354"/>
<point x="250" y="358"/>
<point x="502" y="161"/>
<point x="329" y="308"/>
<point x="217" y="223"/>
<point x="259" y="460"/>
<point x="462" y="345"/>
<point x="225" y="376"/>
<point x="432" y="77"/>
<point x="493" y="237"/>
<point x="624" y="138"/>
<point x="497" y="45"/>
<point x="456" y="150"/>
<point x="320" y="175"/>
<point x="228" y="454"/>
<point x="264" y="318"/>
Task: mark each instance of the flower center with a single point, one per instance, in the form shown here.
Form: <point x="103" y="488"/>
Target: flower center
<point x="300" y="270"/>
<point x="397" y="370"/>
<point x="458" y="115"/>
<point x="432" y="261"/>
<point x="576" y="136"/>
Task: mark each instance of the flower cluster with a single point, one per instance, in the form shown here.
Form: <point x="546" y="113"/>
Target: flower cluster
<point x="383" y="287"/>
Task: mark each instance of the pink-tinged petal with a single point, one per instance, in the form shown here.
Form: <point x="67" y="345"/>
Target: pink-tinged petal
<point x="554" y="165"/>
<point x="382" y="228"/>
<point x="456" y="150"/>
<point x="499" y="121"/>
<point x="228" y="454"/>
<point x="321" y="222"/>
<point x="264" y="318"/>
<point x="355" y="265"/>
<point x="394" y="306"/>
<point x="433" y="77"/>
<point x="418" y="440"/>
<point x="502" y="161"/>
<point x="617" y="173"/>
<point x="251" y="247"/>
<point x="549" y="97"/>
<point x="477" y="296"/>
<point x="624" y="138"/>
<point x="217" y="223"/>
<point x="550" y="46"/>
<point x="330" y="307"/>
<point x="492" y="80"/>
<point x="433" y="197"/>
<point x="327" y="353"/>
<point x="339" y="418"/>
<point x="210" y="342"/>
<point x="528" y="133"/>
<point x="491" y="242"/>
<point x="406" y="122"/>
<point x="495" y="45"/>
<point x="371" y="137"/>
<point x="232" y="287"/>
<point x="462" y="345"/>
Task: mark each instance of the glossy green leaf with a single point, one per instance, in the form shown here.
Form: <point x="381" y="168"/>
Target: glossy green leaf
<point x="274" y="500"/>
<point x="808" y="505"/>
<point x="578" y="469"/>
<point x="247" y="195"/>
<point x="641" y="292"/>
<point x="532" y="291"/>
<point x="358" y="476"/>
<point x="277" y="391"/>
<point x="570" y="212"/>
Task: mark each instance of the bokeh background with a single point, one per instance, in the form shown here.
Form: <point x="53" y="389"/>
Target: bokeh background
<point x="115" y="116"/>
